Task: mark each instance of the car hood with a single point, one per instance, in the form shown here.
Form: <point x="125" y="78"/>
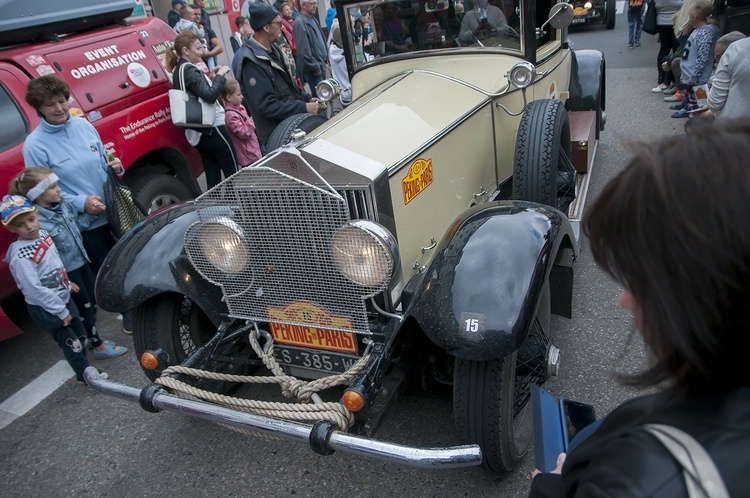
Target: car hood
<point x="403" y="113"/>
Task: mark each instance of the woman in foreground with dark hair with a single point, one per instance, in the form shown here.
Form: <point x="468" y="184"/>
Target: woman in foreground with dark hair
<point x="673" y="229"/>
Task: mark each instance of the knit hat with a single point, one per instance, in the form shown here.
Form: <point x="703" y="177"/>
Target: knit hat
<point x="13" y="205"/>
<point x="260" y="14"/>
<point x="175" y="2"/>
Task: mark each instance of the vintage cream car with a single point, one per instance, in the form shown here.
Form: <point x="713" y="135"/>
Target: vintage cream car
<point x="422" y="236"/>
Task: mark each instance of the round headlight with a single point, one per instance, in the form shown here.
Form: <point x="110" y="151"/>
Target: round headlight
<point x="522" y="74"/>
<point x="328" y="89"/>
<point x="365" y="253"/>
<point x="587" y="5"/>
<point x="217" y="244"/>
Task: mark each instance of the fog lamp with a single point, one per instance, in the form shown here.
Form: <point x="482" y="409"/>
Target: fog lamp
<point x="328" y="89"/>
<point x="353" y="401"/>
<point x="219" y="242"/>
<point x="522" y="74"/>
<point x="365" y="253"/>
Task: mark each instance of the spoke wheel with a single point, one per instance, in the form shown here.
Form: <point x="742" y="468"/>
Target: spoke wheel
<point x="173" y="323"/>
<point x="491" y="399"/>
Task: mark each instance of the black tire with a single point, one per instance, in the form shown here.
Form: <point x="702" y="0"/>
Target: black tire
<point x="282" y="134"/>
<point x="542" y="169"/>
<point x="610" y="14"/>
<point x="173" y="323"/>
<point x="156" y="191"/>
<point x="492" y="400"/>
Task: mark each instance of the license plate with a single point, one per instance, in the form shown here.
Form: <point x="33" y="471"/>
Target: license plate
<point x="314" y="360"/>
<point x="579" y="20"/>
<point x="314" y="337"/>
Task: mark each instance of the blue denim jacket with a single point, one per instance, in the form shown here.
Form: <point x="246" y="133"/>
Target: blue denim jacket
<point x="64" y="225"/>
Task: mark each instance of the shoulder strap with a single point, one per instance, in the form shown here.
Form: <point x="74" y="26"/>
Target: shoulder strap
<point x="702" y="478"/>
<point x="182" y="75"/>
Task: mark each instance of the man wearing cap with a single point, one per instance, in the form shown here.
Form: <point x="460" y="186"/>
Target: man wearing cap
<point x="268" y="85"/>
<point x="311" y="47"/>
<point x="173" y="17"/>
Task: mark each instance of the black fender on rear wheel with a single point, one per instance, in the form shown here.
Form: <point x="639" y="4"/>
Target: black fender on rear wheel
<point x="155" y="191"/>
<point x="491" y="399"/>
<point x="588" y="85"/>
<point x="610" y="18"/>
<point x="542" y="170"/>
<point x="172" y="322"/>
<point x="282" y="134"/>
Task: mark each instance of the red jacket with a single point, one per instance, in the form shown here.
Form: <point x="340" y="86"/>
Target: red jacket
<point x="242" y="128"/>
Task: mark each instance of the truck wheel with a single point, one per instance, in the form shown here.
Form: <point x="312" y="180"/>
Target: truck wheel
<point x="542" y="170"/>
<point x="173" y="323"/>
<point x="492" y="400"/>
<point x="282" y="134"/>
<point x="610" y="16"/>
<point x="154" y="192"/>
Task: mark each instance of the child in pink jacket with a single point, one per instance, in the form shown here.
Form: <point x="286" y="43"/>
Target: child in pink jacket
<point x="241" y="126"/>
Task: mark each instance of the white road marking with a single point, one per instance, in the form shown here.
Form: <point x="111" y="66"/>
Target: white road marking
<point x="621" y="6"/>
<point x="33" y="394"/>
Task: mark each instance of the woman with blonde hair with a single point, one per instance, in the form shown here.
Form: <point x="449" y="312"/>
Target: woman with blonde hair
<point x="214" y="144"/>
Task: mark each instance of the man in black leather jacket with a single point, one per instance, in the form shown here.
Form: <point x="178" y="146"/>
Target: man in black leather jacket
<point x="268" y="87"/>
<point x="684" y="267"/>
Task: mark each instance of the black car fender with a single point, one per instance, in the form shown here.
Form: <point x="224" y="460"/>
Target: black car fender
<point x="587" y="81"/>
<point x="479" y="295"/>
<point x="150" y="260"/>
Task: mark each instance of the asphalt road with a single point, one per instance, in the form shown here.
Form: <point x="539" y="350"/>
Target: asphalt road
<point x="79" y="443"/>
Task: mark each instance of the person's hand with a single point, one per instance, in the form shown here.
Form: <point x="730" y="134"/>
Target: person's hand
<point x="74" y="288"/>
<point x="221" y="70"/>
<point x="313" y="107"/>
<point x="116" y="165"/>
<point x="93" y="205"/>
<point x="67" y="320"/>
<point x="558" y="467"/>
<point x="666" y="66"/>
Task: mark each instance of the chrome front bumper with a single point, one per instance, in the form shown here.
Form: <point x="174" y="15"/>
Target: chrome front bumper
<point x="320" y="436"/>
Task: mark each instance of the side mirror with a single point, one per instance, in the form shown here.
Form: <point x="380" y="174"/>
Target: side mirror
<point x="560" y="16"/>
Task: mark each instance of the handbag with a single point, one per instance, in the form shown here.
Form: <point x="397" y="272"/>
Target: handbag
<point x="649" y="21"/>
<point x="122" y="210"/>
<point x="702" y="478"/>
<point x="188" y="110"/>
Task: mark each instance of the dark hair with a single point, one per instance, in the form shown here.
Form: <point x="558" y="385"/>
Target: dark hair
<point x="239" y="21"/>
<point x="43" y="88"/>
<point x="182" y="40"/>
<point x="672" y="227"/>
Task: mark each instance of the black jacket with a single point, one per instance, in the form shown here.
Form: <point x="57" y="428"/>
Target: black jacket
<point x="620" y="459"/>
<point x="197" y="84"/>
<point x="267" y="87"/>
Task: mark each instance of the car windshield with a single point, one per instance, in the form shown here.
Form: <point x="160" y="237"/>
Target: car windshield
<point x="379" y="29"/>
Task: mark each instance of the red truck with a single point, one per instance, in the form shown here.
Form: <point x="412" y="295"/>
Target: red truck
<point x="116" y="71"/>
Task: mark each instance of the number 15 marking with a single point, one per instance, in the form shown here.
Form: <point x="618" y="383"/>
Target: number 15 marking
<point x="472" y="325"/>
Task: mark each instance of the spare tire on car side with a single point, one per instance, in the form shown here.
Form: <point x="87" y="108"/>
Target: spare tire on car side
<point x="282" y="134"/>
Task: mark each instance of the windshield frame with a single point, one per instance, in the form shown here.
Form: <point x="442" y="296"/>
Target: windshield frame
<point x="440" y="43"/>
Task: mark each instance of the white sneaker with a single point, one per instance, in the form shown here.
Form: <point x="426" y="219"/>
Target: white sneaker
<point x="660" y="88"/>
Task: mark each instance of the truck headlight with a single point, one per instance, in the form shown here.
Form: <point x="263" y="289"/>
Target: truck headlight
<point x="365" y="253"/>
<point x="328" y="89"/>
<point x="217" y="247"/>
<point x="522" y="74"/>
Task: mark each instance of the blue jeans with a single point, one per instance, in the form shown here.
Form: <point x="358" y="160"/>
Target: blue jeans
<point x="312" y="80"/>
<point x="67" y="338"/>
<point x="635" y="24"/>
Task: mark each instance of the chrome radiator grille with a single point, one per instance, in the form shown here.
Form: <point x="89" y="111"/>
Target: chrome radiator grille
<point x="285" y="273"/>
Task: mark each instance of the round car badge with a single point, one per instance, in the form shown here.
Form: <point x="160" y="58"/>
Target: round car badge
<point x="138" y="74"/>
